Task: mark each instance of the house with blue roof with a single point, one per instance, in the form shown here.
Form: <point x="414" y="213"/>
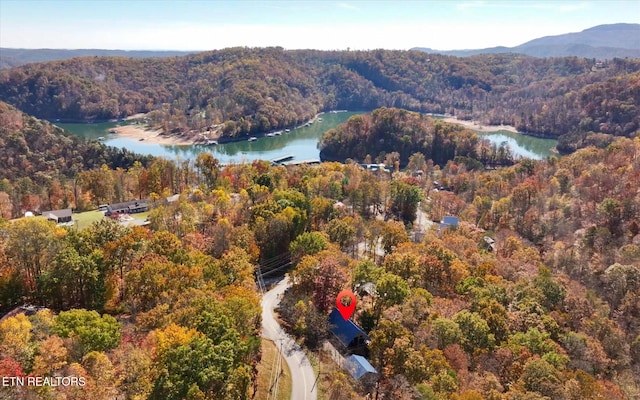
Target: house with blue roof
<point x="448" y="222"/>
<point x="349" y="335"/>
<point x="360" y="368"/>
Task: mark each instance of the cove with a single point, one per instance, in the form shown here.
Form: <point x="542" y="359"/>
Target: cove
<point x="302" y="142"/>
<point x="524" y="146"/>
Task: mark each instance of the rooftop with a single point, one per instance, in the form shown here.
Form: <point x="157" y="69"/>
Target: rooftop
<point x="358" y="366"/>
<point x="345" y="331"/>
<point x="56" y="214"/>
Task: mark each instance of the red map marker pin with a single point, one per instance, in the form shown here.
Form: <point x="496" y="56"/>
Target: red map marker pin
<point x="346" y="311"/>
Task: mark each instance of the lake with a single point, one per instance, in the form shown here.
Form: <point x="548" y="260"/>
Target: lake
<point x="523" y="145"/>
<point x="301" y="142"/>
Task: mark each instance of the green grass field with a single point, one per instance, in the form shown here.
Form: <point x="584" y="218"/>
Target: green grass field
<point x="85" y="219"/>
<point x="141" y="216"/>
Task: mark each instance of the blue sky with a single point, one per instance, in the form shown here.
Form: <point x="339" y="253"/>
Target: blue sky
<point x="325" y="25"/>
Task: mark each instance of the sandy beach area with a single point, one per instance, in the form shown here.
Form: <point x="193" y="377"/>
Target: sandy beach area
<point x="136" y="116"/>
<point x="142" y="134"/>
<point x="481" y="128"/>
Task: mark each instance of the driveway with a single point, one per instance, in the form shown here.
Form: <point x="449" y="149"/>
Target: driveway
<point x="302" y="375"/>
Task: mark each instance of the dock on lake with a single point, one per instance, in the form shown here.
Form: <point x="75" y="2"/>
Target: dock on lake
<point x="280" y="160"/>
<point x="311" y="161"/>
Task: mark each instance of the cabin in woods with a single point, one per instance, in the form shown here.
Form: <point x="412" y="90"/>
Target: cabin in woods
<point x="350" y="336"/>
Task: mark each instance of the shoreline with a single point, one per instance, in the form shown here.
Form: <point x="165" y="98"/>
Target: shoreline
<point x="479" y="127"/>
<point x="143" y="134"/>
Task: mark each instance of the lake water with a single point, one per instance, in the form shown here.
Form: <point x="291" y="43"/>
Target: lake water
<point x="302" y="143"/>
<point x="523" y="145"/>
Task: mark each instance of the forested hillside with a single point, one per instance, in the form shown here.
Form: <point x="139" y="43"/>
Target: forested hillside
<point x="14" y="57"/>
<point x="245" y="90"/>
<point x="30" y="147"/>
<point x="186" y="324"/>
<point x="547" y="310"/>
<point x="39" y="163"/>
<point x="392" y="135"/>
<point x="533" y="295"/>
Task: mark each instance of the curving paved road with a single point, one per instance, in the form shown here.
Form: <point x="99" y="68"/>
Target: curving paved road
<point x="302" y="376"/>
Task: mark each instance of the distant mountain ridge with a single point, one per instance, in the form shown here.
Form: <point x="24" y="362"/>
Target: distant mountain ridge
<point x="10" y="58"/>
<point x="601" y="42"/>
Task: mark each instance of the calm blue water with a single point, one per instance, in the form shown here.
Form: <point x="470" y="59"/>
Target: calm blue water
<point x="301" y="142"/>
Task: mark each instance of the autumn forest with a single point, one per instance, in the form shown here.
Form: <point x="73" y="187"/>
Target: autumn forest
<point x="243" y="91"/>
<point x="532" y="294"/>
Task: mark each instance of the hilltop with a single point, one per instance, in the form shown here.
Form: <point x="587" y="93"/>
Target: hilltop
<point x="10" y="58"/>
<point x="37" y="158"/>
<point x="31" y="147"/>
<point x="600" y="42"/>
<point x="532" y="293"/>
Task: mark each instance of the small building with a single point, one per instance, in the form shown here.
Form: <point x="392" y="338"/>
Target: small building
<point x="491" y="244"/>
<point x="128" y="207"/>
<point x="173" y="199"/>
<point x="27" y="310"/>
<point x="338" y="205"/>
<point x="349" y="335"/>
<point x="376" y="167"/>
<point x="59" y="216"/>
<point x="366" y="289"/>
<point x="450" y="221"/>
<point x="437" y="187"/>
<point x="360" y="368"/>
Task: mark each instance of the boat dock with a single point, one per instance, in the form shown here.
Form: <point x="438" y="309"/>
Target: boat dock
<point x="280" y="160"/>
<point x="311" y="161"/>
